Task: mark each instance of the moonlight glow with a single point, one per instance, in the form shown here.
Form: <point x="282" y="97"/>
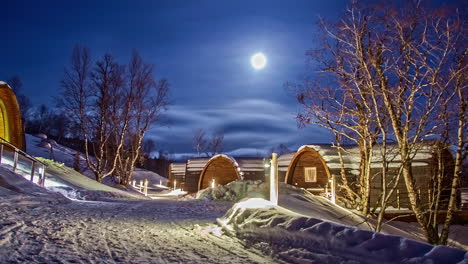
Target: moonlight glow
<point x="258" y="61"/>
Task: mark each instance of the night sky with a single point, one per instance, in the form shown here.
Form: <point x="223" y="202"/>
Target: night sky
<point x="202" y="47"/>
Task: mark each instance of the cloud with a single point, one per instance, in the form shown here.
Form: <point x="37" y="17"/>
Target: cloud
<point x="251" y="126"/>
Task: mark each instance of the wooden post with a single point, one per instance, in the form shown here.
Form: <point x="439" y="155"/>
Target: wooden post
<point x="146" y="187"/>
<point x="398" y="198"/>
<point x="175" y="184"/>
<point x="134" y="183"/>
<point x="140" y="188"/>
<point x="1" y="153"/>
<point x="15" y="161"/>
<point x="333" y="189"/>
<point x="42" y="175"/>
<point x="274" y="179"/>
<point x="33" y="167"/>
<point x="160" y="182"/>
<point x="213" y="183"/>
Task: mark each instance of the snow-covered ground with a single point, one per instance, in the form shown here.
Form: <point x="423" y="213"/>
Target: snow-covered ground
<point x="34" y="230"/>
<point x="38" y="225"/>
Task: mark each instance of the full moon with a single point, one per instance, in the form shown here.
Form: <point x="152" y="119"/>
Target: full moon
<point x="258" y="61"/>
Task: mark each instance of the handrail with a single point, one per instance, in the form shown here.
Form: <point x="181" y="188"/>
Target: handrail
<point x="6" y="142"/>
<point x="26" y="155"/>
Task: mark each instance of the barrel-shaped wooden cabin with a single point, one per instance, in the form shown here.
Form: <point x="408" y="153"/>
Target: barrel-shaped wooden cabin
<point x="308" y="170"/>
<point x="223" y="169"/>
<point x="199" y="173"/>
<point x="11" y="128"/>
<point x="312" y="167"/>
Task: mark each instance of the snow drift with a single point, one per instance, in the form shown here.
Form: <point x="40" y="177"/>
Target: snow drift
<point x="299" y="239"/>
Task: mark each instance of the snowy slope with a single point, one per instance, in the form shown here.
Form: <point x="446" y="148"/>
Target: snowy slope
<point x="14" y="187"/>
<point x="67" y="156"/>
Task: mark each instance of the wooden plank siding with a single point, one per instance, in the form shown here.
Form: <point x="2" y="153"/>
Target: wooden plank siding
<point x="177" y="173"/>
<point x="192" y="174"/>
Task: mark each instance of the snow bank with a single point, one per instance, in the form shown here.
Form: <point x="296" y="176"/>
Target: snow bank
<point x="299" y="239"/>
<point x="67" y="181"/>
<point x="15" y="187"/>
<point x="234" y="191"/>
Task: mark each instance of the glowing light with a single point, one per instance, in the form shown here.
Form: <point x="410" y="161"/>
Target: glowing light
<point x="258" y="61"/>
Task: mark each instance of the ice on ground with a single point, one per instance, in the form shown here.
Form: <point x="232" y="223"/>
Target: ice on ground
<point x="300" y="239"/>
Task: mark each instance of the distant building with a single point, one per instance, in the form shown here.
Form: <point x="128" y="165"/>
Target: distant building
<point x="11" y="128"/>
<point x="200" y="173"/>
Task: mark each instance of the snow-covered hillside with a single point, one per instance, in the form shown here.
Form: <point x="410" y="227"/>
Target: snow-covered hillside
<point x="66" y="156"/>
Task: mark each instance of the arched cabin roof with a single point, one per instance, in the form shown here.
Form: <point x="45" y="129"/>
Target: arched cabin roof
<point x="215" y="158"/>
<point x="297" y="156"/>
<point x="12" y="123"/>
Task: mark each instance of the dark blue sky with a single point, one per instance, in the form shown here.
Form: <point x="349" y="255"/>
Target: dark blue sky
<point x="202" y="47"/>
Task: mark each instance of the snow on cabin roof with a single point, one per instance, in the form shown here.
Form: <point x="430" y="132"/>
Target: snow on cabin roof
<point x="2" y="83"/>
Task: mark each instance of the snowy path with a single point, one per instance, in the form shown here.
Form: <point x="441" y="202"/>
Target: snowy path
<point x="118" y="232"/>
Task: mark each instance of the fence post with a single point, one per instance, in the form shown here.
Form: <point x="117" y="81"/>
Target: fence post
<point x="333" y="189"/>
<point x="42" y="175"/>
<point x="33" y="167"/>
<point x="146" y="187"/>
<point x="15" y="160"/>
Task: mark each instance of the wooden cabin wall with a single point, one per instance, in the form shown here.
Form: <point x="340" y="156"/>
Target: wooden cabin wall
<point x="309" y="159"/>
<point x="191" y="181"/>
<point x="177" y="173"/>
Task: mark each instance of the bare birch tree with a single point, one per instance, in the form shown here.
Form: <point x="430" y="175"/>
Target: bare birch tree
<point x="93" y="98"/>
<point x="148" y="99"/>
<point x="399" y="67"/>
<point x="209" y="146"/>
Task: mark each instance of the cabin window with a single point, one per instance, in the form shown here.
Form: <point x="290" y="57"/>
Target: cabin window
<point x="310" y="174"/>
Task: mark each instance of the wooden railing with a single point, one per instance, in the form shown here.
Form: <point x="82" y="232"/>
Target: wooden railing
<point x="34" y="162"/>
